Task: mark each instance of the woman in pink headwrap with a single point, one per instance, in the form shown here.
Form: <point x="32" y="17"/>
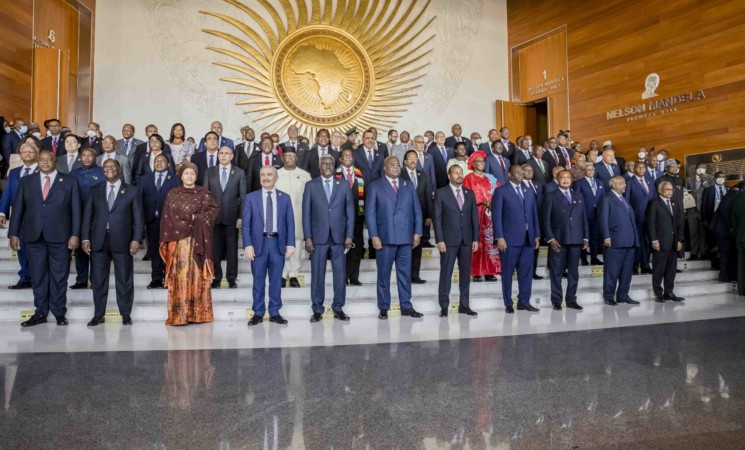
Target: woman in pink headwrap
<point x="485" y="262"/>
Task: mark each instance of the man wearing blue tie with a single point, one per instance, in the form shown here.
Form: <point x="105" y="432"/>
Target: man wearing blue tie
<point x="268" y="229"/>
<point x="516" y="232"/>
<point x="620" y="239"/>
<point x="607" y="168"/>
<point x="394" y="221"/>
<point x="567" y="233"/>
<point x="592" y="192"/>
<point x="328" y="225"/>
<point x="639" y="192"/>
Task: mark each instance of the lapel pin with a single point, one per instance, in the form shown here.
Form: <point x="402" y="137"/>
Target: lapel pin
<point x="337" y="183"/>
<point x="232" y="172"/>
<point x="122" y="191"/>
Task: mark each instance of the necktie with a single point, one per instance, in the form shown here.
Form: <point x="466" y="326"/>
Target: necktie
<point x="540" y="166"/>
<point x="556" y="157"/>
<point x="644" y="185"/>
<point x="327" y="187"/>
<point x="610" y="169"/>
<point x="159" y="183"/>
<point x="520" y="195"/>
<point x="47" y="186"/>
<point x="126" y="148"/>
<point x="568" y="196"/>
<point x="54" y="145"/>
<point x="212" y="160"/>
<point x="269" y="214"/>
<point x="421" y="159"/>
<point x="625" y="205"/>
<point x="721" y="192"/>
<point x="594" y="186"/>
<point x="266" y="160"/>
<point x="111" y="198"/>
<point x="26" y="171"/>
<point x="369" y="158"/>
<point x="459" y="198"/>
<point x="501" y="162"/>
<point x="349" y="176"/>
<point x="566" y="157"/>
<point x="70" y="162"/>
<point x="532" y="186"/>
<point x="224" y="178"/>
<point x="444" y="154"/>
<point x="395" y="186"/>
<point x="669" y="207"/>
<point x="90" y="142"/>
<point x="412" y="175"/>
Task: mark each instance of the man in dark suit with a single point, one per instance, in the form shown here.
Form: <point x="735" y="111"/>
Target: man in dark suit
<point x="13" y="138"/>
<point x="91" y="140"/>
<point x="563" y="148"/>
<point x="509" y="147"/>
<point x="457" y="231"/>
<point x="310" y="160"/>
<point x="154" y="188"/>
<point x="458" y="137"/>
<point x="592" y="192"/>
<point x="540" y="170"/>
<point x="112" y="229"/>
<point x="567" y="233"/>
<point x="738" y="225"/>
<point x="29" y="154"/>
<point x="426" y="162"/>
<point x="497" y="164"/>
<point x="353" y="177"/>
<point x="245" y="149"/>
<point x="620" y="240"/>
<point x="54" y="142"/>
<point x="516" y="232"/>
<point x="394" y="222"/>
<point x="522" y="153"/>
<point x="265" y="157"/>
<point x="440" y="155"/>
<point x="653" y="173"/>
<point x="47" y="208"/>
<point x="228" y="185"/>
<point x="607" y="168"/>
<point x="328" y="226"/>
<point x="143" y="149"/>
<point x="208" y="157"/>
<point x="222" y="141"/>
<point x="721" y="229"/>
<point x="528" y="177"/>
<point x="70" y="159"/>
<point x="424" y="193"/>
<point x="368" y="159"/>
<point x="292" y="141"/>
<point x="665" y="229"/>
<point x="127" y="146"/>
<point x="639" y="192"/>
<point x="268" y="229"/>
<point x="156" y="146"/>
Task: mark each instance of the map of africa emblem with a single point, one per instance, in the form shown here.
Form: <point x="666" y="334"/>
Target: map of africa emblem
<point x="357" y="64"/>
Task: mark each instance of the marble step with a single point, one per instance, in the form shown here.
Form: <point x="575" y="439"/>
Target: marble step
<point x="80" y="309"/>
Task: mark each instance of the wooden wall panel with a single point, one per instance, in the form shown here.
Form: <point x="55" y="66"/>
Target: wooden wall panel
<point x="614" y="45"/>
<point x="15" y="58"/>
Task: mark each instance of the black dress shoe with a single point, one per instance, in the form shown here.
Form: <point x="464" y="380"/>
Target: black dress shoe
<point x="565" y="274"/>
<point x="629" y="301"/>
<point x="426" y="244"/>
<point x="646" y="271"/>
<point x="96" y="320"/>
<point x="79" y="286"/>
<point x="36" y="319"/>
<point x="232" y="285"/>
<point x="659" y="299"/>
<point x="477" y="279"/>
<point x="146" y="257"/>
<point x="537" y="277"/>
<point x="411" y="313"/>
<point x="574" y="306"/>
<point x="341" y="316"/>
<point x="418" y="280"/>
<point x="527" y="307"/>
<point x="278" y="319"/>
<point x="355" y="282"/>
<point x="255" y="320"/>
<point x="678" y="271"/>
<point x="467" y="311"/>
<point x="215" y="284"/>
<point x="155" y="285"/>
<point x="126" y="319"/>
<point x="21" y="285"/>
<point x="596" y="262"/>
<point x="509" y="309"/>
<point x="674" y="298"/>
<point x="610" y="302"/>
<point x="490" y="278"/>
<point x="558" y="307"/>
<point x="383" y="315"/>
<point x="443" y="312"/>
<point x="62" y="321"/>
<point x="584" y="262"/>
<point x="294" y="282"/>
<point x="316" y="317"/>
<point x="284" y="282"/>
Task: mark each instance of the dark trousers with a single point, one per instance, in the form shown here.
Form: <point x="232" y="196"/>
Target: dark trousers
<point x="321" y="253"/>
<point x="270" y="262"/>
<point x="157" y="266"/>
<point x="463" y="254"/>
<point x="401" y="255"/>
<point x="727" y="257"/>
<point x="123" y="279"/>
<point x="594" y="241"/>
<point x="619" y="266"/>
<point x="664" y="265"/>
<point x="696" y="232"/>
<point x="641" y="256"/>
<point x="520" y="258"/>
<point x="50" y="266"/>
<point x="416" y="260"/>
<point x="567" y="258"/>
<point x="24" y="275"/>
<point x="354" y="255"/>
<point x="225" y="246"/>
<point x="741" y="268"/>
<point x="82" y="266"/>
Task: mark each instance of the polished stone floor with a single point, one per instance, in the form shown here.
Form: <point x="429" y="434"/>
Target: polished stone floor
<point x="677" y="385"/>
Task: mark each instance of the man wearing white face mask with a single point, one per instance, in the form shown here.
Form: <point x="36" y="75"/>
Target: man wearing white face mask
<point x="695" y="185"/>
<point x="13" y="137"/>
<point x="711" y="201"/>
<point x="92" y="139"/>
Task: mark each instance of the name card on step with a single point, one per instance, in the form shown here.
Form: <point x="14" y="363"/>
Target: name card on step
<point x="596" y="271"/>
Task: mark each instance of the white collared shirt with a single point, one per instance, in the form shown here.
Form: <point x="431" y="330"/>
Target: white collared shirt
<point x="52" y="176"/>
<point x="391" y="180"/>
<point x="116" y="185"/>
<point x="455" y="193"/>
<point x="71" y="158"/>
<point x="30" y="168"/>
<point x="331" y="183"/>
<point x="274" y="208"/>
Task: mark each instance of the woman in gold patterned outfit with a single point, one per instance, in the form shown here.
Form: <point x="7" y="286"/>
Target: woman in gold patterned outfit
<point x="186" y="246"/>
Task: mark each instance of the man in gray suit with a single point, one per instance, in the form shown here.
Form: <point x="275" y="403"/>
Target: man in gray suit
<point x="127" y="145"/>
<point x="70" y="160"/>
<point x="108" y="144"/>
<point x="228" y="184"/>
<point x="696" y="184"/>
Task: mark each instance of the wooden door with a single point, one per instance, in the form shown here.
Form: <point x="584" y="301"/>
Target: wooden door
<point x="50" y="84"/>
<point x="513" y="116"/>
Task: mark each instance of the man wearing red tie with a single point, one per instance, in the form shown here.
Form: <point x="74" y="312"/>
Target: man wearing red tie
<point x="53" y="143"/>
<point x="265" y="157"/>
<point x="353" y="176"/>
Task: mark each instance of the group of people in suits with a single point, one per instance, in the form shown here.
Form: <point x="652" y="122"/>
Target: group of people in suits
<point x="291" y="201"/>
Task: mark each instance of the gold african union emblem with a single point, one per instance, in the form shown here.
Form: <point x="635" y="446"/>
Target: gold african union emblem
<point x="355" y="64"/>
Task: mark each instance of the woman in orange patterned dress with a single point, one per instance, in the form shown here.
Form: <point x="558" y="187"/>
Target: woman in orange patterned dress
<point x="186" y="246"/>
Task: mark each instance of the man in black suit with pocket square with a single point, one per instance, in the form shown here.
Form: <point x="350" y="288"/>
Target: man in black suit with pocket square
<point x="48" y="209"/>
<point x="424" y="192"/>
<point x="112" y="228"/>
<point x="228" y="185"/>
<point x="310" y="160"/>
<point x="457" y="235"/>
<point x="265" y="157"/>
<point x="665" y="229"/>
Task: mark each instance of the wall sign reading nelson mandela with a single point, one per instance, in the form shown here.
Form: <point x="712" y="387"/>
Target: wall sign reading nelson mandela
<point x="654" y="106"/>
<point x="325" y="67"/>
